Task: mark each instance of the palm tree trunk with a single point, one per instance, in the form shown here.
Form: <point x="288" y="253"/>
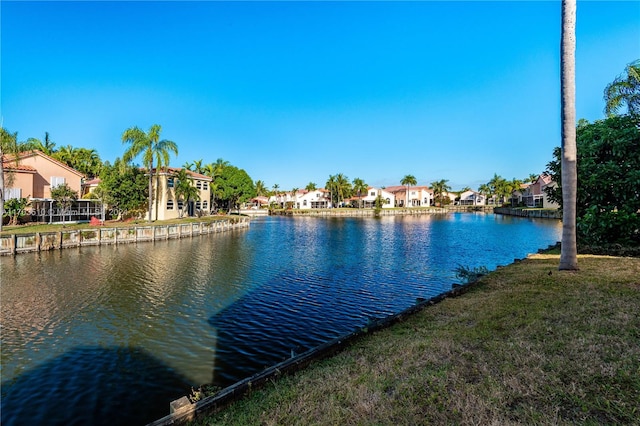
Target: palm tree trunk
<point x="569" y="251"/>
<point x="150" y="190"/>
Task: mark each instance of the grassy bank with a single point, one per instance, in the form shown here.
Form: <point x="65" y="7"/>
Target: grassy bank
<point x="527" y="345"/>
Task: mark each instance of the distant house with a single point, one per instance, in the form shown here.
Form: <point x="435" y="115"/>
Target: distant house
<point x="316" y="199"/>
<point x="88" y="186"/>
<point x="419" y="196"/>
<point x="534" y="195"/>
<point x="368" y="200"/>
<point x="171" y="206"/>
<point x="472" y="198"/>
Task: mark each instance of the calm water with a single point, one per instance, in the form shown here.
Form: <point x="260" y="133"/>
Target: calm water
<point x="110" y="335"/>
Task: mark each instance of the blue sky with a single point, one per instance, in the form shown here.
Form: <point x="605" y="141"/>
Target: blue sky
<point x="293" y="92"/>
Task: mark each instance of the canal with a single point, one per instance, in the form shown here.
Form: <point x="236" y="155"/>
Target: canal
<point x="112" y="334"/>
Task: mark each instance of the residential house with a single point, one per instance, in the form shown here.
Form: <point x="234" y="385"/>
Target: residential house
<point x="419" y="196"/>
<point x="169" y="205"/>
<point x="534" y="195"/>
<point x="472" y="198"/>
<point x="316" y="199"/>
<point x="368" y="200"/>
<point x="34" y="175"/>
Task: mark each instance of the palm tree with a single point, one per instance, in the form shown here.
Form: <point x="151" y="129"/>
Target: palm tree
<point x="624" y="90"/>
<point x="359" y="187"/>
<point x="64" y="154"/>
<point x="408" y="181"/>
<point x="198" y="167"/>
<point x="8" y="146"/>
<point x="294" y="195"/>
<point x="48" y="146"/>
<point x="184" y="188"/>
<point x="153" y="150"/>
<point x="569" y="250"/>
<point x="440" y="187"/>
<point x="311" y="186"/>
<point x="343" y="187"/>
<point x="275" y="191"/>
<point x="331" y="187"/>
<point x="485" y="190"/>
<point x="261" y="188"/>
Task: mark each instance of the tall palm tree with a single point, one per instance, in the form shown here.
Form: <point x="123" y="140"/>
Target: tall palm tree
<point x="153" y="150"/>
<point x="294" y="195"/>
<point x="624" y="90"/>
<point x="408" y="181"/>
<point x="440" y="187"/>
<point x="47" y="146"/>
<point x="311" y="186"/>
<point x="569" y="177"/>
<point x="360" y="187"/>
<point x="64" y="154"/>
<point x="343" y="187"/>
<point x="261" y="188"/>
<point x="8" y="146"/>
<point x="184" y="188"/>
<point x="331" y="187"/>
<point x="485" y="190"/>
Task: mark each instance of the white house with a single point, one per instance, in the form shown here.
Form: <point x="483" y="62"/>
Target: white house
<point x="316" y="199"/>
<point x="369" y="201"/>
<point x="419" y="196"/>
<point x="472" y="198"/>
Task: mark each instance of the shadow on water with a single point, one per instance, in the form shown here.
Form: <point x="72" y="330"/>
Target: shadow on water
<point x="78" y="388"/>
<point x="289" y="315"/>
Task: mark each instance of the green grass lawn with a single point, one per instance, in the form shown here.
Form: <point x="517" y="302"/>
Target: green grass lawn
<point x="526" y="345"/>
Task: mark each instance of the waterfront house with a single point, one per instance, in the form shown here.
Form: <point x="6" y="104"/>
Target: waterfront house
<point x="171" y="206"/>
<point x="472" y="198"/>
<point x="316" y="199"/>
<point x="368" y="200"/>
<point x="419" y="196"/>
<point x="34" y="175"/>
<point x="534" y="195"/>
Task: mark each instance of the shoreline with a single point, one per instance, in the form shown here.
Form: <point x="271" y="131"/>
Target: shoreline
<point x="35" y="242"/>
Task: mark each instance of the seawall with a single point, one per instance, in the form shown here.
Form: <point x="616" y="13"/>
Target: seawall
<point x="535" y="213"/>
<point x="57" y="240"/>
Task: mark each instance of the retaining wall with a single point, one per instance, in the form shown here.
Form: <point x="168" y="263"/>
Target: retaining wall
<point x="536" y="213"/>
<point x="57" y="240"/>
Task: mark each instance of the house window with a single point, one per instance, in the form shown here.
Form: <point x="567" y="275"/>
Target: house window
<point x="373" y="193"/>
<point x="304" y="202"/>
<point x="205" y="205"/>
<point x="180" y="204"/>
<point x="170" y="182"/>
<point x="205" y="186"/>
<point x="56" y="181"/>
<point x="170" y="205"/>
<point x="198" y="205"/>
<point x="198" y="184"/>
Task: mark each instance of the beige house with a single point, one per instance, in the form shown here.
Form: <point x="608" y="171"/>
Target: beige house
<point x="35" y="174"/>
<point x="170" y="206"/>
